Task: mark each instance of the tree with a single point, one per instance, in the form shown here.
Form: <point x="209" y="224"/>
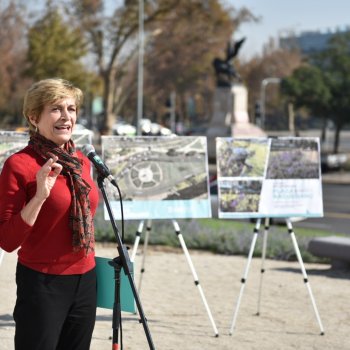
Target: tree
<point x="113" y="40"/>
<point x="274" y="62"/>
<point x="334" y="62"/>
<point x="306" y="87"/>
<point x="180" y="56"/>
<point x="12" y="53"/>
<point x="324" y="87"/>
<point x="55" y="49"/>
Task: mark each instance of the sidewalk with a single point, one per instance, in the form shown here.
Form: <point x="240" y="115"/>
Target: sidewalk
<point x="178" y="320"/>
<point x="339" y="177"/>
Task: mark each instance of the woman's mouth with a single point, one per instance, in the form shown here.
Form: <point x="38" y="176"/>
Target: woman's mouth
<point x="63" y="128"/>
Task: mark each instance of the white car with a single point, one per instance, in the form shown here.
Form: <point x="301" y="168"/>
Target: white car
<point x="124" y="129"/>
<point x="81" y="129"/>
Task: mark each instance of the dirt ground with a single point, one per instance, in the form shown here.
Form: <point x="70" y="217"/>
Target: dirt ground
<point x="178" y="319"/>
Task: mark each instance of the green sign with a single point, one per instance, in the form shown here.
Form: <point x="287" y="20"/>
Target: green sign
<point x="106" y="287"/>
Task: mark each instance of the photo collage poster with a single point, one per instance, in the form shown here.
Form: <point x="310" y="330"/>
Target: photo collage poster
<point x="160" y="177"/>
<point x="269" y="177"/>
<point x="13" y="141"/>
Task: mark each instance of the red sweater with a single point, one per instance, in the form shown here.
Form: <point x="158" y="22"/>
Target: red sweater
<point x="47" y="245"/>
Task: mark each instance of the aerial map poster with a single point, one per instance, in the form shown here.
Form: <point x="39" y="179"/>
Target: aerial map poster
<point x="159" y="177"/>
<point x="13" y="141"/>
<point x="269" y="177"/>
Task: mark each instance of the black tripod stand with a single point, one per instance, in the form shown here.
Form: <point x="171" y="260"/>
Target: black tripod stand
<point x="122" y="261"/>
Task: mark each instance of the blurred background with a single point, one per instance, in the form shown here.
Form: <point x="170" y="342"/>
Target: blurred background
<point x="146" y="68"/>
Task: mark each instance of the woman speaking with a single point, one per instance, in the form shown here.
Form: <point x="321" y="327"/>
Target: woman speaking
<point x="48" y="200"/>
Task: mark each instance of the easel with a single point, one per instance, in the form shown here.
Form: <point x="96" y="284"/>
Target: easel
<point x="250" y="255"/>
<point x="189" y="261"/>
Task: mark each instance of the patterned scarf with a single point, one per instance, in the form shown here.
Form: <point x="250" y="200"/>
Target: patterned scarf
<point x="80" y="218"/>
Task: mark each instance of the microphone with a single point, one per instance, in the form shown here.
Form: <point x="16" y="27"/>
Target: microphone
<point x="99" y="164"/>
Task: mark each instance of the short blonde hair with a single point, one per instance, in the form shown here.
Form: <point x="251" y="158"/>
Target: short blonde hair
<point x="48" y="91"/>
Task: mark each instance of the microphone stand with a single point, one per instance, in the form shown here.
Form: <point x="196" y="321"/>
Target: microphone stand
<point x="122" y="261"/>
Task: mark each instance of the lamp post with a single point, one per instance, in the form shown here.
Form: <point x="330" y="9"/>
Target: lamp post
<point x="264" y="83"/>
<point x="140" y="68"/>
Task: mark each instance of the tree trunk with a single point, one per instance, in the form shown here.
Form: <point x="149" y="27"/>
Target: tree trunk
<point x="181" y="111"/>
<point x="108" y="116"/>
<point x="291" y="119"/>
<point x="336" y="138"/>
<point x="324" y="129"/>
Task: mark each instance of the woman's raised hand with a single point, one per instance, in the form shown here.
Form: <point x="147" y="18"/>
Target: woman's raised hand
<point x="46" y="177"/>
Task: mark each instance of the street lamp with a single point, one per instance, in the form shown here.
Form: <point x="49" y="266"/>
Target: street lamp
<point x="140" y="68"/>
<point x="264" y="83"/>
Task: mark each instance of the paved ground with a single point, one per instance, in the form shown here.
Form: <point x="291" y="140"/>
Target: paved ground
<point x="340" y="177"/>
<point x="178" y="320"/>
<point x="177" y="317"/>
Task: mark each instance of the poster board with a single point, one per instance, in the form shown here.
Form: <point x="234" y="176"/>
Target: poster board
<point x="106" y="286"/>
<point x="269" y="177"/>
<point x="80" y="139"/>
<point x="13" y="141"/>
<point x="10" y="143"/>
<point x="159" y="177"/>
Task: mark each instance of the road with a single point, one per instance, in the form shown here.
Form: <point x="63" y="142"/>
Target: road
<point x="336" y="206"/>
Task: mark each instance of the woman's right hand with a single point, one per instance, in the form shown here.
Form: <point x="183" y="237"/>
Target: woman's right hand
<point x="45" y="180"/>
<point x="46" y="177"/>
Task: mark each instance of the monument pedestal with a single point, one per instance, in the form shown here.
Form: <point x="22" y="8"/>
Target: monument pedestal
<point x="230" y="116"/>
<point x="220" y="123"/>
<point x="241" y="127"/>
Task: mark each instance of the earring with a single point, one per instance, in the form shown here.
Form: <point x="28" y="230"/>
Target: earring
<point x="36" y="128"/>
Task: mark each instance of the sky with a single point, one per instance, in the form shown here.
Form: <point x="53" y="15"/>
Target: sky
<point x="279" y="17"/>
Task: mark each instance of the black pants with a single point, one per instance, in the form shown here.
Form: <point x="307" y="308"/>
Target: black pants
<point x="54" y="312"/>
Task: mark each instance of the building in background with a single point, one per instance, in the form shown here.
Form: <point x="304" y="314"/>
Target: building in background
<point x="311" y="41"/>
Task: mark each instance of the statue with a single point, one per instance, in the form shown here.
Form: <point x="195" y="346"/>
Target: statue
<point x="230" y="107"/>
<point x="224" y="69"/>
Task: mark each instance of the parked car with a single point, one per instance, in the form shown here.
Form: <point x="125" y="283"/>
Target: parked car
<point x="81" y="129"/>
<point x="148" y="128"/>
<point x="123" y="129"/>
<point x="333" y="161"/>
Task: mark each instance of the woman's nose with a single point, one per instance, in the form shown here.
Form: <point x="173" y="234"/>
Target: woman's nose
<point x="64" y="114"/>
